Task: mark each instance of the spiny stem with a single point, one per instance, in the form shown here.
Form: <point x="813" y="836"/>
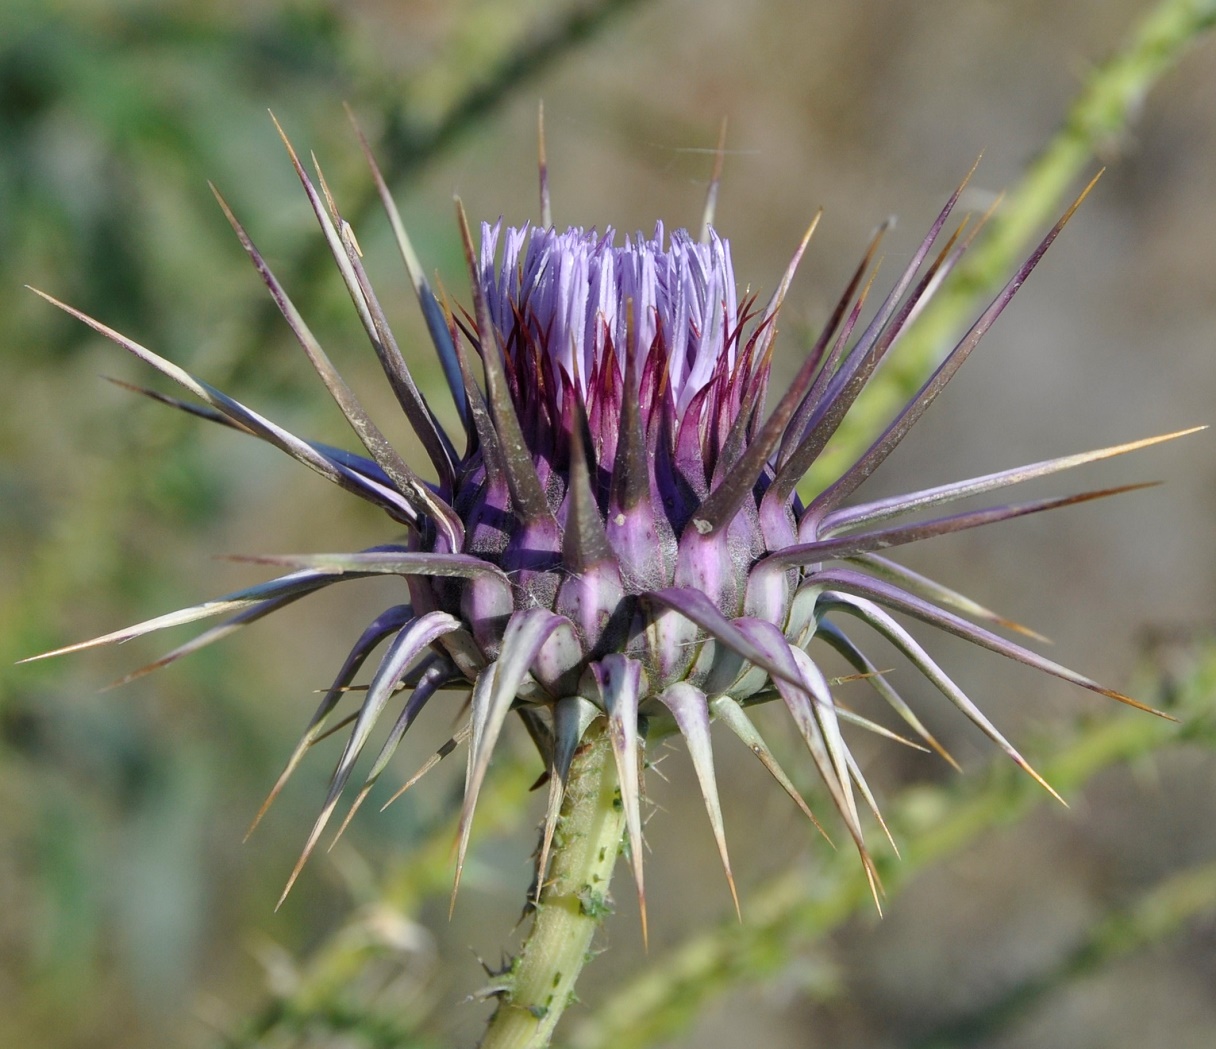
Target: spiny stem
<point x="574" y="902"/>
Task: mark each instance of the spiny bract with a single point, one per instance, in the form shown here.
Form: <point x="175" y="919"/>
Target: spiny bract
<point x="621" y="535"/>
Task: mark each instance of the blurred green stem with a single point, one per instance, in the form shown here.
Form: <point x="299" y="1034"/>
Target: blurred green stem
<point x="540" y="984"/>
<point x="1162" y="911"/>
<point x="799" y="907"/>
<point x="1110" y="100"/>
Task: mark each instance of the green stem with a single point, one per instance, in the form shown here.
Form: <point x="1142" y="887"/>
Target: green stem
<point x="1161" y="912"/>
<point x="575" y="901"/>
<point x="797" y="907"/>
<point x="1112" y="97"/>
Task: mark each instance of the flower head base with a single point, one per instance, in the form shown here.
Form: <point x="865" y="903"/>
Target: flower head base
<point x="621" y="536"/>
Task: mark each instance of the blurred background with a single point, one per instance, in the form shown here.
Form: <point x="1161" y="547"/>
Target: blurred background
<point x="133" y="916"/>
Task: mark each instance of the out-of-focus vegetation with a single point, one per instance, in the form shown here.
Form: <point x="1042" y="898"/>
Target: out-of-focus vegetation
<point x="122" y="874"/>
<point x="131" y="914"/>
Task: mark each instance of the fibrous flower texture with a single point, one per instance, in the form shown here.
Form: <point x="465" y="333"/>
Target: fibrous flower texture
<point x="616" y="531"/>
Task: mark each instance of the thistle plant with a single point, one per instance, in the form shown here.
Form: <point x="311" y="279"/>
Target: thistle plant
<point x="616" y="545"/>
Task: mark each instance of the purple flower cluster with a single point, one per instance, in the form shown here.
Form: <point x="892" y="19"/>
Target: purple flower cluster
<point x="617" y="532"/>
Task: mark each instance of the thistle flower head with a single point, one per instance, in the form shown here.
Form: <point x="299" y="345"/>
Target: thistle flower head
<point x="617" y="532"/>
